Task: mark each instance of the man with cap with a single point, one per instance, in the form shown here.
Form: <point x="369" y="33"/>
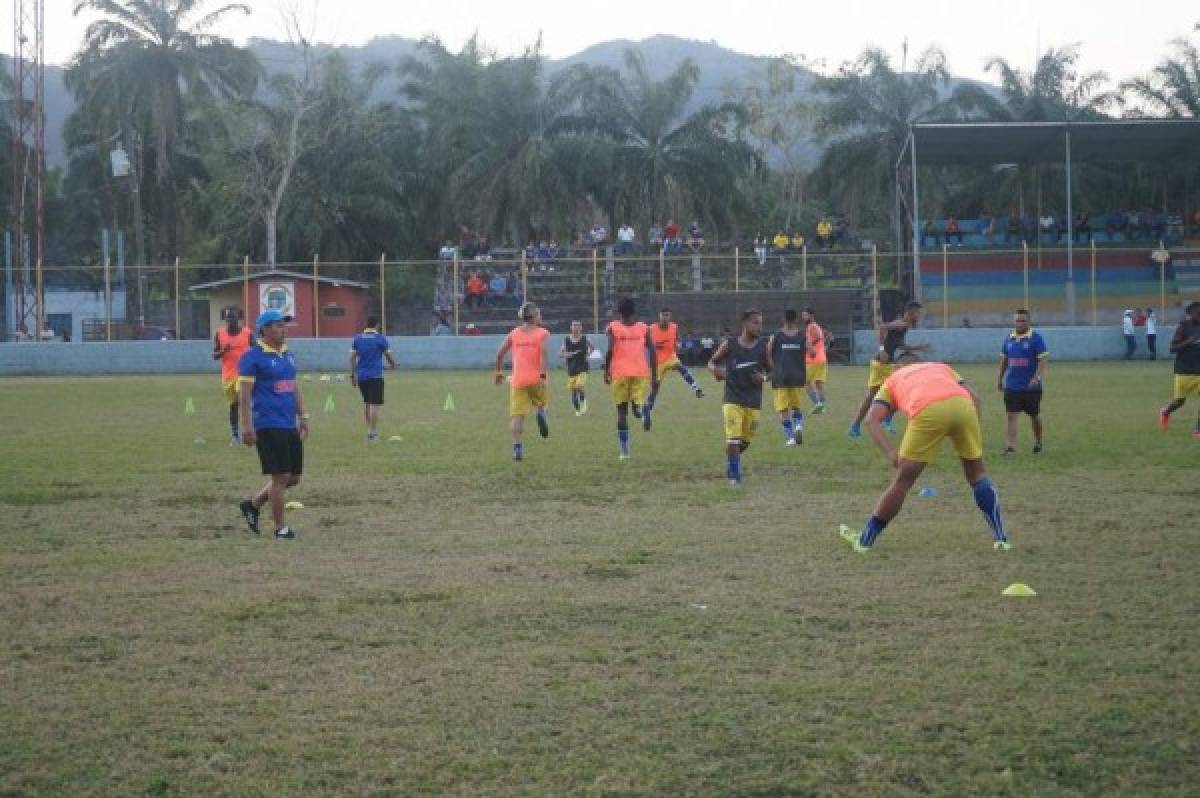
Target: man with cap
<point x="270" y="398"/>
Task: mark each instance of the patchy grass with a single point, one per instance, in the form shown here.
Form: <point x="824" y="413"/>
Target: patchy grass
<point x="450" y="622"/>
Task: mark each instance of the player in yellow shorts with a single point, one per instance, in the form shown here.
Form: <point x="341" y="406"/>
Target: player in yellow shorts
<point x="1185" y="345"/>
<point x="577" y="350"/>
<point x="939" y="405"/>
<point x="629" y="364"/>
<point x="743" y="363"/>
<point x="665" y="335"/>
<point x="891" y="341"/>
<point x="229" y="344"/>
<point x="530" y="360"/>
<point x="787" y="352"/>
<point x="816" y="360"/>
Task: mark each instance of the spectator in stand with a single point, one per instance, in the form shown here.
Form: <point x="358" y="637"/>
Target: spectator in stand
<point x="824" y="234"/>
<point x="953" y="231"/>
<point x="1049" y="229"/>
<point x="760" y="251"/>
<point x="797" y="243"/>
<point x="1114" y="223"/>
<point x="485" y="248"/>
<point x="656" y="237"/>
<point x="1152" y="333"/>
<point x="497" y="289"/>
<point x="475" y="290"/>
<point x="1029" y="228"/>
<point x="515" y="295"/>
<point x="471" y="329"/>
<point x="625" y="240"/>
<point x="1083" y="226"/>
<point x="708" y="345"/>
<point x="447" y="251"/>
<point x="929" y="232"/>
<point x="987" y="227"/>
<point x="672" y="243"/>
<point x="1129" y="331"/>
<point x="689" y="349"/>
<point x="695" y="237"/>
<point x="439" y="325"/>
<point x="598" y="235"/>
<point x="841" y="231"/>
<point x="780" y="242"/>
<point x="468" y="244"/>
<point x="1012" y="227"/>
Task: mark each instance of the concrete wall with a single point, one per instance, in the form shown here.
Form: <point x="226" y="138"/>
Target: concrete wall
<point x="977" y="344"/>
<point x="195" y="357"/>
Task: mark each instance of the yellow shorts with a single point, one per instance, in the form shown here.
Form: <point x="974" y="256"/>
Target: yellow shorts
<point x="522" y="401"/>
<point x="740" y="422"/>
<point x="230" y="388"/>
<point x="630" y="389"/>
<point x="663" y="368"/>
<point x="1187" y="385"/>
<point x="787" y="398"/>
<point x="954" y="418"/>
<point x="816" y="371"/>
<point x="578" y="382"/>
<point x="879" y="373"/>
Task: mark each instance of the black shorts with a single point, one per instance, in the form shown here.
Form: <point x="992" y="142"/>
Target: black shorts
<point x="371" y="390"/>
<point x="280" y="451"/>
<point x="1029" y="402"/>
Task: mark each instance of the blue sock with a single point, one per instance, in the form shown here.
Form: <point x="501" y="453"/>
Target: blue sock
<point x="812" y="396"/>
<point x="787" y="429"/>
<point x="798" y="420"/>
<point x="989" y="504"/>
<point x="734" y="468"/>
<point x="687" y="377"/>
<point x="871" y="531"/>
<point x="623" y="440"/>
<point x="541" y="411"/>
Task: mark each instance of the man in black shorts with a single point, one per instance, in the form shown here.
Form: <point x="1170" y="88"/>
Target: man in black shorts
<point x="268" y="387"/>
<point x="367" y="354"/>
<point x="1022" y="366"/>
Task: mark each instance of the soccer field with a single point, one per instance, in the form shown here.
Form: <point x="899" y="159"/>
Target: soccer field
<point x="451" y="622"/>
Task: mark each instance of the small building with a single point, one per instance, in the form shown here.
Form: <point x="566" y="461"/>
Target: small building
<point x="342" y="303"/>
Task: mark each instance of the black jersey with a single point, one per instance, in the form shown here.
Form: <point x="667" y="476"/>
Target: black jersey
<point x="577" y="355"/>
<point x="893" y="341"/>
<point x="1187" y="360"/>
<point x="787" y="359"/>
<point x="741" y="364"/>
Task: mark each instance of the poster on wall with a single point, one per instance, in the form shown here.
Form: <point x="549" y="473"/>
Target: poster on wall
<point x="277" y="295"/>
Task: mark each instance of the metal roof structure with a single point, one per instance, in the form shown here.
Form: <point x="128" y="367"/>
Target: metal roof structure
<point x="335" y="281"/>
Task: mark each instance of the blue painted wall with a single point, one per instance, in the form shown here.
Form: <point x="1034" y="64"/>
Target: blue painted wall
<point x="978" y="345"/>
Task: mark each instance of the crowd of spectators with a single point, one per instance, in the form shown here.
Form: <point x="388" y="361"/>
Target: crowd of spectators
<point x="1029" y="228"/>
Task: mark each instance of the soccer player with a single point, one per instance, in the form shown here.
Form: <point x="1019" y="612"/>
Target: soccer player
<point x="367" y="353"/>
<point x="891" y="340"/>
<point x="744" y="371"/>
<point x="1185" y="345"/>
<point x="787" y="350"/>
<point x="816" y="361"/>
<point x="267" y="382"/>
<point x="1022" y="367"/>
<point x="666" y="349"/>
<point x="939" y="404"/>
<point x="576" y="349"/>
<point x="229" y="345"/>
<point x="530" y="361"/>
<point x="629" y="364"/>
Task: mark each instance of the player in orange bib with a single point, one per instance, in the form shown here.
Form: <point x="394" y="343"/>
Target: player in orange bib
<point x="939" y="405"/>
<point x="629" y="364"/>
<point x="816" y="361"/>
<point x="530" y="361"/>
<point x="665" y="335"/>
<point x="229" y="345"/>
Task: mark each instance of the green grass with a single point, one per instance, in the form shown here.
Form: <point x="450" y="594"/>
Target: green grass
<point x="450" y="622"/>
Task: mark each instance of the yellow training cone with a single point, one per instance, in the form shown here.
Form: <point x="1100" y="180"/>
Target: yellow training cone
<point x="395" y="439"/>
<point x="1019" y="589"/>
<point x="299" y="506"/>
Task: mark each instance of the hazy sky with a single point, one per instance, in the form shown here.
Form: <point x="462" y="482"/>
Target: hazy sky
<point x="1123" y="38"/>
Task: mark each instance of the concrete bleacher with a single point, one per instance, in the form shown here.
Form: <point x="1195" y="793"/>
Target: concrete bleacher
<point x="973" y="237"/>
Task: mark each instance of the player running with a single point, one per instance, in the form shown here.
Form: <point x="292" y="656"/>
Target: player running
<point x="530" y="361"/>
<point x="816" y="361"/>
<point x="629" y="364"/>
<point x="744" y="370"/>
<point x="787" y="351"/>
<point x="367" y="353"/>
<point x="891" y="340"/>
<point x="577" y="350"/>
<point x="939" y="404"/>
<point x="666" y="346"/>
<point x="1185" y="345"/>
<point x="229" y="345"/>
<point x="1022" y="366"/>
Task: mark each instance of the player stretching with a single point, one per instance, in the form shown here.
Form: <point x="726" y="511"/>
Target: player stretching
<point x="938" y="405"/>
<point x="816" y="362"/>
<point x="891" y="339"/>
<point x="786" y="354"/>
<point x="530" y="360"/>
<point x="229" y="345"/>
<point x="744" y="371"/>
<point x="576" y="349"/>
<point x="1185" y="345"/>
<point x="1022" y="366"/>
<point x="666" y="346"/>
<point x="629" y="364"/>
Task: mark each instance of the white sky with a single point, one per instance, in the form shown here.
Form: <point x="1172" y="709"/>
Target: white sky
<point x="1122" y="38"/>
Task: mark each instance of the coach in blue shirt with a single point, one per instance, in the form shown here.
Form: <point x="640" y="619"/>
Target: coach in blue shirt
<point x="270" y="395"/>
<point x="1022" y="366"/>
<point x="367" y="353"/>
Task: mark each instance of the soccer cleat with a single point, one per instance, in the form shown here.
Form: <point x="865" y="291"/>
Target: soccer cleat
<point x="518" y="456"/>
<point x="285" y="533"/>
<point x="851" y="537"/>
<point x="735" y="483"/>
<point x="543" y="427"/>
<point x="1001" y="545"/>
<point x="818" y="408"/>
<point x="1037" y="448"/>
<point x="578" y="414"/>
<point x="623" y="457"/>
<point x="699" y="393"/>
<point x="1164" y="419"/>
<point x="790" y="442"/>
<point x="250" y="513"/>
<point x="582" y="406"/>
<point x="372" y="437"/>
<point x="798" y="436"/>
<point x="235" y="439"/>
<point x="855" y="431"/>
<point x="1009" y="451"/>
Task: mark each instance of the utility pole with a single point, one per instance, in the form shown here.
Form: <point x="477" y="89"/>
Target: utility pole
<point x="29" y="160"/>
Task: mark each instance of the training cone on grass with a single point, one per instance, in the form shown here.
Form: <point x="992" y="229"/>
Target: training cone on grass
<point x="189" y="407"/>
<point x="1019" y="589"/>
<point x="329" y="405"/>
<point x="449" y="405"/>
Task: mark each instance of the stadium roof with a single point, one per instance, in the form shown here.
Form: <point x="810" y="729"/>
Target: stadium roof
<point x="276" y="273"/>
<point x="989" y="143"/>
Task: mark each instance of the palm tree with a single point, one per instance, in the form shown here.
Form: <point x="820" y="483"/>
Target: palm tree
<point x="1172" y="88"/>
<point x="1053" y="91"/>
<point x="143" y="62"/>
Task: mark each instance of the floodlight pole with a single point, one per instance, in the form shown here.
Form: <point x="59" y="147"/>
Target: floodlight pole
<point x="1070" y="233"/>
<point x="916" y="215"/>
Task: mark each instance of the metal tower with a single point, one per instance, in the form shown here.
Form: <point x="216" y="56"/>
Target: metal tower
<point x="28" y="160"/>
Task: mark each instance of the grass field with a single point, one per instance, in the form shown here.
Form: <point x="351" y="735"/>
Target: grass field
<point x="450" y="622"/>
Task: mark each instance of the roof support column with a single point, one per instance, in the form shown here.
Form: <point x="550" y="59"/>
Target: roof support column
<point x="1070" y="232"/>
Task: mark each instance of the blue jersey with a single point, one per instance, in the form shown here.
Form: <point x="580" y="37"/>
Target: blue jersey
<point x="273" y="373"/>
<point x="370" y="345"/>
<point x="1023" y="353"/>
